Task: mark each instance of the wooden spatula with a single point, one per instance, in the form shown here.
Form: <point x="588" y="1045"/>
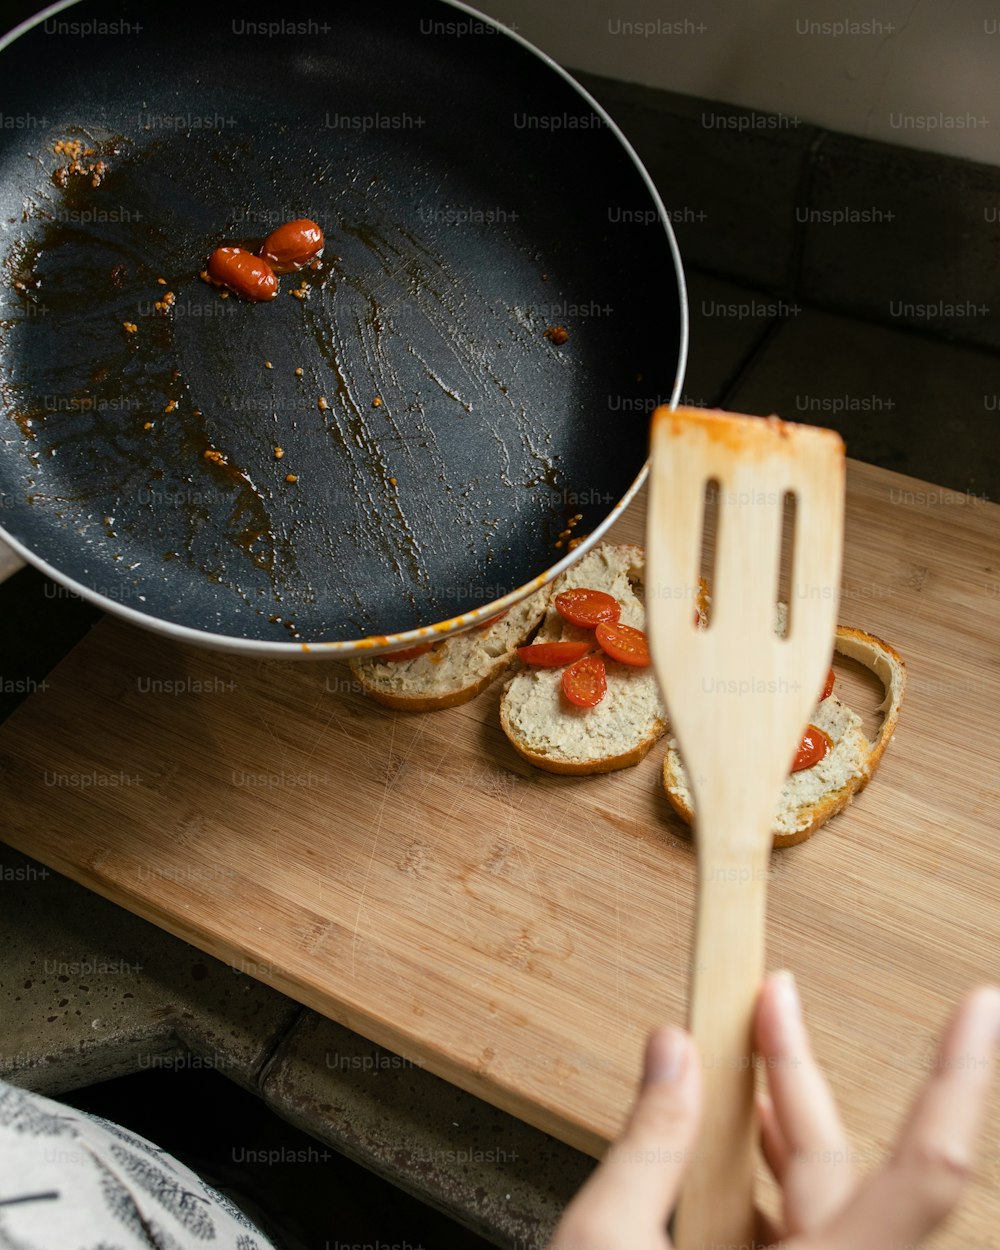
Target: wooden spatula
<point x="739" y="698"/>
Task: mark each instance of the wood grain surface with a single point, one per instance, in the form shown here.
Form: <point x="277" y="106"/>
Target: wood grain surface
<point x="518" y="932"/>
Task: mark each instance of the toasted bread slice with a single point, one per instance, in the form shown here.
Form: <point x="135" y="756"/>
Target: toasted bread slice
<point x="810" y="797"/>
<point x="455" y="669"/>
<point x="554" y="734"/>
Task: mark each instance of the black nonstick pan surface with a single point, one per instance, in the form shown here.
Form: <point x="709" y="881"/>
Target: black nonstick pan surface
<point x="472" y="198"/>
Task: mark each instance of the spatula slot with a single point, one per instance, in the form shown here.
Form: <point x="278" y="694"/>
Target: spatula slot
<point x="786" y="564"/>
<point x="709" y="542"/>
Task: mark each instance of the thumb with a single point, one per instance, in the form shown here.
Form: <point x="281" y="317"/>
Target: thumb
<point x="643" y="1170"/>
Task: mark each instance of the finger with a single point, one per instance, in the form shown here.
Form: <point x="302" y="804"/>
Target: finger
<point x="776" y="1156"/>
<point x="640" y="1176"/>
<point x="767" y="1232"/>
<point x="933" y="1156"/>
<point x="803" y="1104"/>
<point x="772" y="1141"/>
<point x="819" y="1174"/>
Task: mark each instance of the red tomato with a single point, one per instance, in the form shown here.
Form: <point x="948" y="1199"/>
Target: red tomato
<point x="553" y="654"/>
<point x="815" y="745"/>
<point x="585" y="682"/>
<point x="293" y="245"/>
<point x="587" y="608"/>
<point x="828" y="687"/>
<point x="408" y="653"/>
<point x="244" y="273"/>
<point x="623" y="643"/>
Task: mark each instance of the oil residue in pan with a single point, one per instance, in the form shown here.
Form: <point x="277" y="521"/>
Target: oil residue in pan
<point x="478" y="363"/>
<point x="386" y="317"/>
<point x="443" y="299"/>
<point x="131" y="412"/>
<point x="350" y="425"/>
<point x="131" y="428"/>
<point x="367" y="332"/>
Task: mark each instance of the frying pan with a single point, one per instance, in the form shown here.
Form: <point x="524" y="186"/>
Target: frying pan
<point x="445" y="452"/>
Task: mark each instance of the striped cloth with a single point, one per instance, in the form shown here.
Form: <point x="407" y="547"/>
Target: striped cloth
<point x="73" y="1181"/>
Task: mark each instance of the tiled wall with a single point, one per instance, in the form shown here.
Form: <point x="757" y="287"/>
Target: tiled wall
<point x="907" y="238"/>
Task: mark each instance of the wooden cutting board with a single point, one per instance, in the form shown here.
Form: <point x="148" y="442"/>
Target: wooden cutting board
<point x="518" y="933"/>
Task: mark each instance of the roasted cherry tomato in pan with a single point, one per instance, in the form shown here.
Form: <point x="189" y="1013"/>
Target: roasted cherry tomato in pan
<point x="815" y="746"/>
<point x="585" y="682"/>
<point x="623" y="643"/>
<point x="408" y="653"/>
<point x="587" y="608"/>
<point x="828" y="687"/>
<point x="243" y="273"/>
<point x="553" y="654"/>
<point x="293" y="245"/>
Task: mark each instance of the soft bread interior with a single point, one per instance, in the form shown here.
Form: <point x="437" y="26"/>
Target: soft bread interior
<point x="550" y="731"/>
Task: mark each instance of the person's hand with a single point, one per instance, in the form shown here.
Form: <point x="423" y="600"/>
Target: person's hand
<point x="625" y="1203"/>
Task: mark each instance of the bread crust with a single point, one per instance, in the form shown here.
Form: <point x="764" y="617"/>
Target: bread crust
<point x="525" y="616"/>
<point x="431" y="703"/>
<point x="856" y="644"/>
<point x="888" y="665"/>
<point x="584" y="768"/>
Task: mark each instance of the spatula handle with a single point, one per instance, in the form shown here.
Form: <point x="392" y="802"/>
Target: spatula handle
<point x="716" y="1209"/>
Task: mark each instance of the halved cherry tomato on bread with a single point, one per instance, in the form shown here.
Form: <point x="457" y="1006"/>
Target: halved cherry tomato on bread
<point x="828" y="687"/>
<point x="408" y="653"/>
<point x="553" y="654"/>
<point x="587" y="608"/>
<point x="293" y="245"/>
<point x="585" y="682"/>
<point x="243" y="273"/>
<point x="624" y="644"/>
<point x="815" y="746"/>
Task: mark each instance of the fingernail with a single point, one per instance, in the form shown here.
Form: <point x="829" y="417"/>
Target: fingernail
<point x="666" y="1056"/>
<point x="789" y="992"/>
<point x="990" y="997"/>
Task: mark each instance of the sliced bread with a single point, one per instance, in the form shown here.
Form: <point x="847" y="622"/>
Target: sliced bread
<point x="810" y="797"/>
<point x="554" y="734"/>
<point x="456" y="668"/>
